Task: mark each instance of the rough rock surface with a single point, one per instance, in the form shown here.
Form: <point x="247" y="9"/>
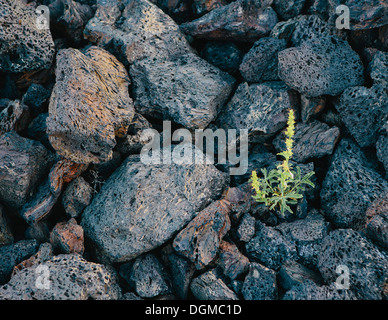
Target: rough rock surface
<point x="36" y="98"/>
<point x="260" y="283"/>
<point x="231" y="22"/>
<point x="307" y="234"/>
<point x="148" y="277"/>
<point x="363" y="14"/>
<point x="260" y="108"/>
<point x="70" y="278"/>
<point x="349" y="187"/>
<point x="287" y="9"/>
<point x="379" y="68"/>
<point x="309" y="290"/>
<point x="6" y="236"/>
<point x="246" y="228"/>
<point x="311" y="107"/>
<point x="13" y="254"/>
<point x="292" y="273"/>
<point x="68" y="237"/>
<point x="140" y="207"/>
<point x="324" y="66"/>
<point x="208" y="286"/>
<point x="25" y="45"/>
<point x="76" y="197"/>
<point x="224" y="55"/>
<point x="182" y="271"/>
<point x="270" y="247"/>
<point x="204" y="6"/>
<point x="136" y="29"/>
<point x="14" y="117"/>
<point x="89" y="105"/>
<point x="364" y="112"/>
<point x="368" y="267"/>
<point x="377" y="221"/>
<point x="261" y="62"/>
<point x="231" y="260"/>
<point x="312" y="140"/>
<point x="187" y="90"/>
<point x="382" y="151"/>
<point x="23" y="164"/>
<point x="199" y="241"/>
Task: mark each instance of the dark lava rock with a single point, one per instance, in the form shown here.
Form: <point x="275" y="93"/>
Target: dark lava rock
<point x="368" y="267"/>
<point x="76" y="197"/>
<point x="377" y="221"/>
<point x="363" y="14"/>
<point x="287" y="9"/>
<point x="309" y="290"/>
<point x="37" y="130"/>
<point x="68" y="237"/>
<point x="270" y="247"/>
<point x="349" y="187"/>
<point x="364" y="112"/>
<point x="242" y="20"/>
<point x="23" y="164"/>
<point x="140" y="207"/>
<point x="70" y="278"/>
<point x="292" y="273"/>
<point x="311" y="107"/>
<point x="69" y="17"/>
<point x="200" y="240"/>
<point x="208" y="286"/>
<point x="14" y="117"/>
<point x="246" y="228"/>
<point x="187" y="90"/>
<point x="6" y="236"/>
<point x="325" y="66"/>
<point x="261" y="62"/>
<point x="260" y="108"/>
<point x="182" y="271"/>
<point x="379" y="68"/>
<point x="232" y="262"/>
<point x="311" y="141"/>
<point x="135" y="30"/>
<point x="307" y="234"/>
<point x="89" y="105"/>
<point x="25" y="45"/>
<point x="224" y="55"/>
<point x="179" y="10"/>
<point x="382" y="151"/>
<point x="36" y="98"/>
<point x="13" y="254"/>
<point x="260" y="283"/>
<point x="148" y="277"/>
<point x="204" y="6"/>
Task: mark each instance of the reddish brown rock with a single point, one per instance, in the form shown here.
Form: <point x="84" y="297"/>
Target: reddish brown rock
<point x="204" y="6"/>
<point x="68" y="237"/>
<point x="199" y="241"/>
<point x="377" y="221"/>
<point x="232" y="261"/>
<point x="242" y="20"/>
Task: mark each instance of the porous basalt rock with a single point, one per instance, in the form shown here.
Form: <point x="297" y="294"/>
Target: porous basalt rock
<point x="89" y="105"/>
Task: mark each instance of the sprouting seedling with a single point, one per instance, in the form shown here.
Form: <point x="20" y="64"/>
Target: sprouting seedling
<point x="283" y="186"/>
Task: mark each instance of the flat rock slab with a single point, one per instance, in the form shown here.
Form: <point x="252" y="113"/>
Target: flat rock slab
<point x="324" y="66"/>
<point x="136" y="30"/>
<point x="70" y="277"/>
<point x="187" y="90"/>
<point x="140" y="207"/>
<point x="23" y="165"/>
<point x="349" y="187"/>
<point x="242" y="20"/>
<point x="89" y="105"/>
<point x="25" y="45"/>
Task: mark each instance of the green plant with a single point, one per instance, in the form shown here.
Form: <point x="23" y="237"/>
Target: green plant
<point x="282" y="187"/>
